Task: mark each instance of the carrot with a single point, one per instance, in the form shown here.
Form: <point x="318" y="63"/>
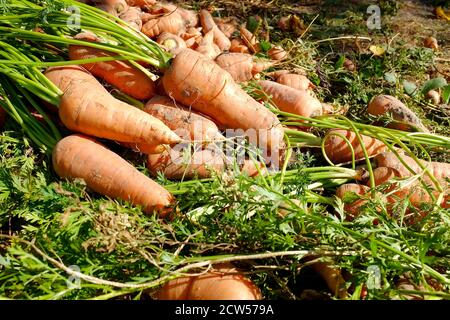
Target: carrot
<point x="277" y="53"/>
<point x="192" y="37"/>
<point x="171" y="22"/>
<point x="132" y="16"/>
<point x="333" y="277"/>
<point x="189" y="17"/>
<point x="296" y="81"/>
<point x="120" y="74"/>
<point x="238" y="46"/>
<point x="226" y="25"/>
<point x="250" y="40"/>
<point x="338" y="151"/>
<point x="441" y="171"/>
<point x="415" y="193"/>
<point x="177" y="165"/>
<point x="172" y="43"/>
<point x="118" y="5"/>
<point x="291" y="100"/>
<point x="219" y="97"/>
<point x="201" y="164"/>
<point x="88" y="108"/>
<point x="188" y="124"/>
<point x="145" y="147"/>
<point x="105" y="172"/>
<point x="406" y="119"/>
<point x="241" y="66"/>
<point x="224" y="282"/>
<point x="208" y="24"/>
<point x="352" y="189"/>
<point x="140" y="3"/>
<point x="207" y="47"/>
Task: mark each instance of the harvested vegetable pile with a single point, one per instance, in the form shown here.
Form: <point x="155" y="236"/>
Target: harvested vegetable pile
<point x="152" y="150"/>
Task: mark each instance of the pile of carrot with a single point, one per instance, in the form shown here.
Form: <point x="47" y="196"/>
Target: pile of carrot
<point x="176" y="117"/>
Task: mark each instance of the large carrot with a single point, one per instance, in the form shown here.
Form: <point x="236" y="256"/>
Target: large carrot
<point x="241" y="66"/>
<point x="105" y="172"/>
<point x="339" y="151"/>
<point x="120" y="74"/>
<point x="87" y="107"/>
<point x="296" y="81"/>
<point x="287" y="99"/>
<point x="186" y="123"/>
<point x="406" y="119"/>
<point x="440" y="170"/>
<point x="208" y="24"/>
<point x="221" y="283"/>
<point x="199" y="82"/>
<point x="171" y="22"/>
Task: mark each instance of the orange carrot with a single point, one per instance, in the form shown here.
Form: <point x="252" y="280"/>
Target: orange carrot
<point x="250" y="40"/>
<point x="277" y="53"/>
<point x="441" y="171"/>
<point x="208" y="24"/>
<point x="192" y="37"/>
<point x="407" y="120"/>
<point x="201" y="164"/>
<point x="291" y="100"/>
<point x="415" y="193"/>
<point x="172" y="43"/>
<point x="171" y="22"/>
<point x="219" y="97"/>
<point x="87" y="107"/>
<point x="333" y="277"/>
<point x="207" y="47"/>
<point x="351" y="189"/>
<point x="338" y="151"/>
<point x="238" y="46"/>
<point x="227" y="26"/>
<point x="296" y="81"/>
<point x="189" y="17"/>
<point x="120" y="74"/>
<point x="221" y="283"/>
<point x="118" y="5"/>
<point x="186" y="123"/>
<point x="132" y="16"/>
<point x="79" y="156"/>
<point x="241" y="66"/>
<point x="140" y="3"/>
